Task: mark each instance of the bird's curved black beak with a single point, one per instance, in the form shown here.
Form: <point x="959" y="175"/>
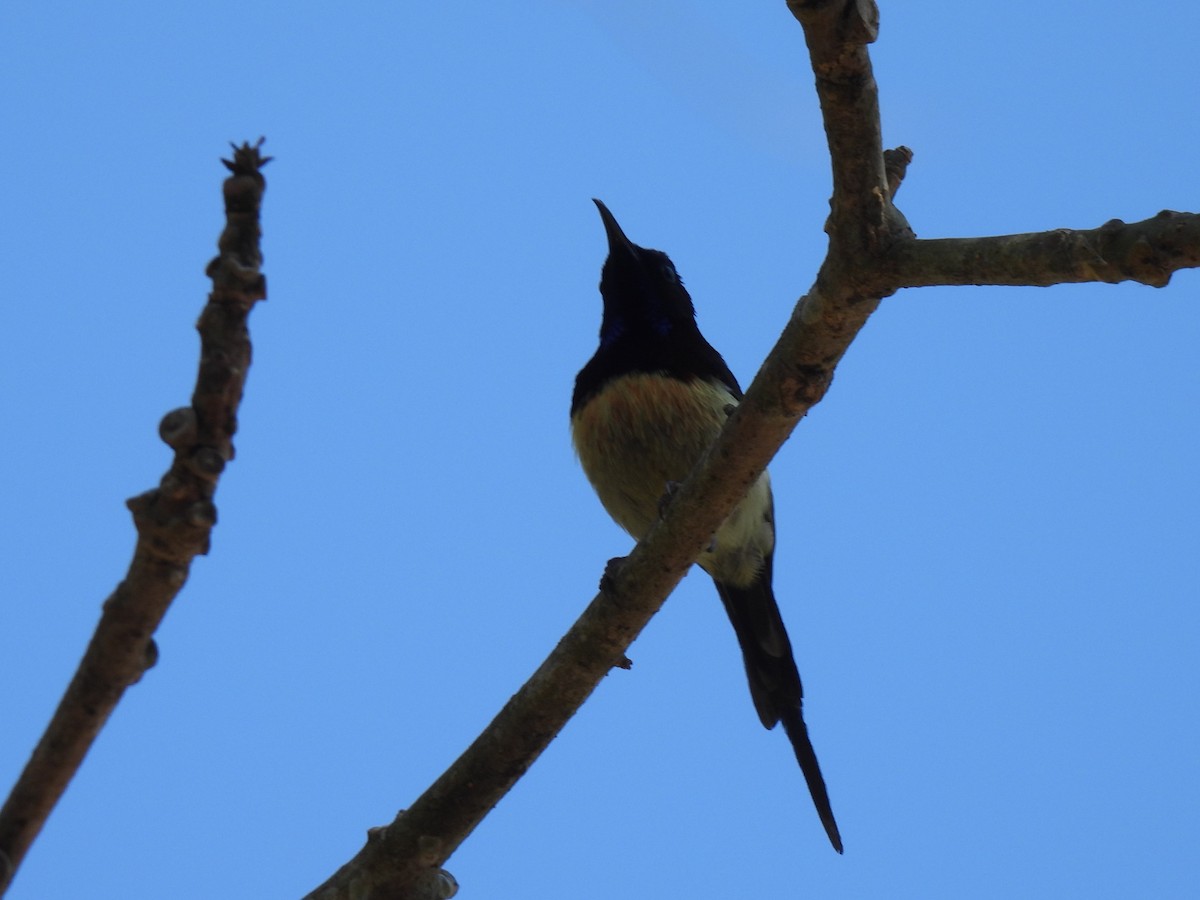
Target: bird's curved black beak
<point x="616" y="237"/>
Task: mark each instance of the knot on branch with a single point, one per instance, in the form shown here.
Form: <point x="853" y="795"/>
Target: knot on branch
<point x="1146" y="265"/>
<point x="847" y="21"/>
<point x="170" y="528"/>
<point x="242" y="284"/>
<point x="205" y="462"/>
<point x="860" y="22"/>
<point x="178" y="427"/>
<point x="431" y="884"/>
<point x="612" y="573"/>
<point x="802" y="391"/>
<point x="895" y="165"/>
<point x="148" y="661"/>
<point x="1133" y="251"/>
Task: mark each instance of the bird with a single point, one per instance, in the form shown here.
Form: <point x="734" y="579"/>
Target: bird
<point x="645" y="408"/>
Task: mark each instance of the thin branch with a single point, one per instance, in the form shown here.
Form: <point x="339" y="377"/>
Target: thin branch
<point x="174" y="521"/>
<point x="1149" y="251"/>
<point x="837" y="33"/>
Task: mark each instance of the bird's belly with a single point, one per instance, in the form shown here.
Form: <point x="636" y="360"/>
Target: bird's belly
<point x="643" y="431"/>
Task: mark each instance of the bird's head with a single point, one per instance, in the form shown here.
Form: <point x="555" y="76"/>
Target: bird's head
<point x="643" y="294"/>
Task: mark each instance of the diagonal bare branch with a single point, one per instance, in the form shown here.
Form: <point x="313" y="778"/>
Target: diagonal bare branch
<point x="174" y="521"/>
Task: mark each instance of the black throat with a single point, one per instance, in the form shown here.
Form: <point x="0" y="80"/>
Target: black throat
<point x="649" y="323"/>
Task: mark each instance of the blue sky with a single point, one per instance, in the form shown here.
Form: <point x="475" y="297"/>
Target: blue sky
<point x="987" y="532"/>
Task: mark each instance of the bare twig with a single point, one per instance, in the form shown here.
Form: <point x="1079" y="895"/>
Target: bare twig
<point x="174" y="521"/>
<point x="1149" y="252"/>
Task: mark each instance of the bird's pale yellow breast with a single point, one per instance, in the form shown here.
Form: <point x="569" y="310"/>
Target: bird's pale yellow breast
<point x="641" y="432"/>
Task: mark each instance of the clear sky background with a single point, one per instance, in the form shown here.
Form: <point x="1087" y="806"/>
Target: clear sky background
<point x="989" y="543"/>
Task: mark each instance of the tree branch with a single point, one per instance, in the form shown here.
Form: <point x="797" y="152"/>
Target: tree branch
<point x="1149" y="251"/>
<point x="872" y="253"/>
<point x="402" y="859"/>
<point x="174" y="521"/>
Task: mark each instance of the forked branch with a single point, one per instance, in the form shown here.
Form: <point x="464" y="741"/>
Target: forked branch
<point x="872" y="253"/>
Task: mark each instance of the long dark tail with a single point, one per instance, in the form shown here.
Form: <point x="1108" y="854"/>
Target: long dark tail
<point x="775" y="682"/>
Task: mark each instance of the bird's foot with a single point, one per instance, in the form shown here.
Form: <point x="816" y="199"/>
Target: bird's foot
<point x="608" y="581"/>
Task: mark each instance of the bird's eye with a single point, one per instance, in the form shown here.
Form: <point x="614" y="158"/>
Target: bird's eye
<point x="668" y="272"/>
